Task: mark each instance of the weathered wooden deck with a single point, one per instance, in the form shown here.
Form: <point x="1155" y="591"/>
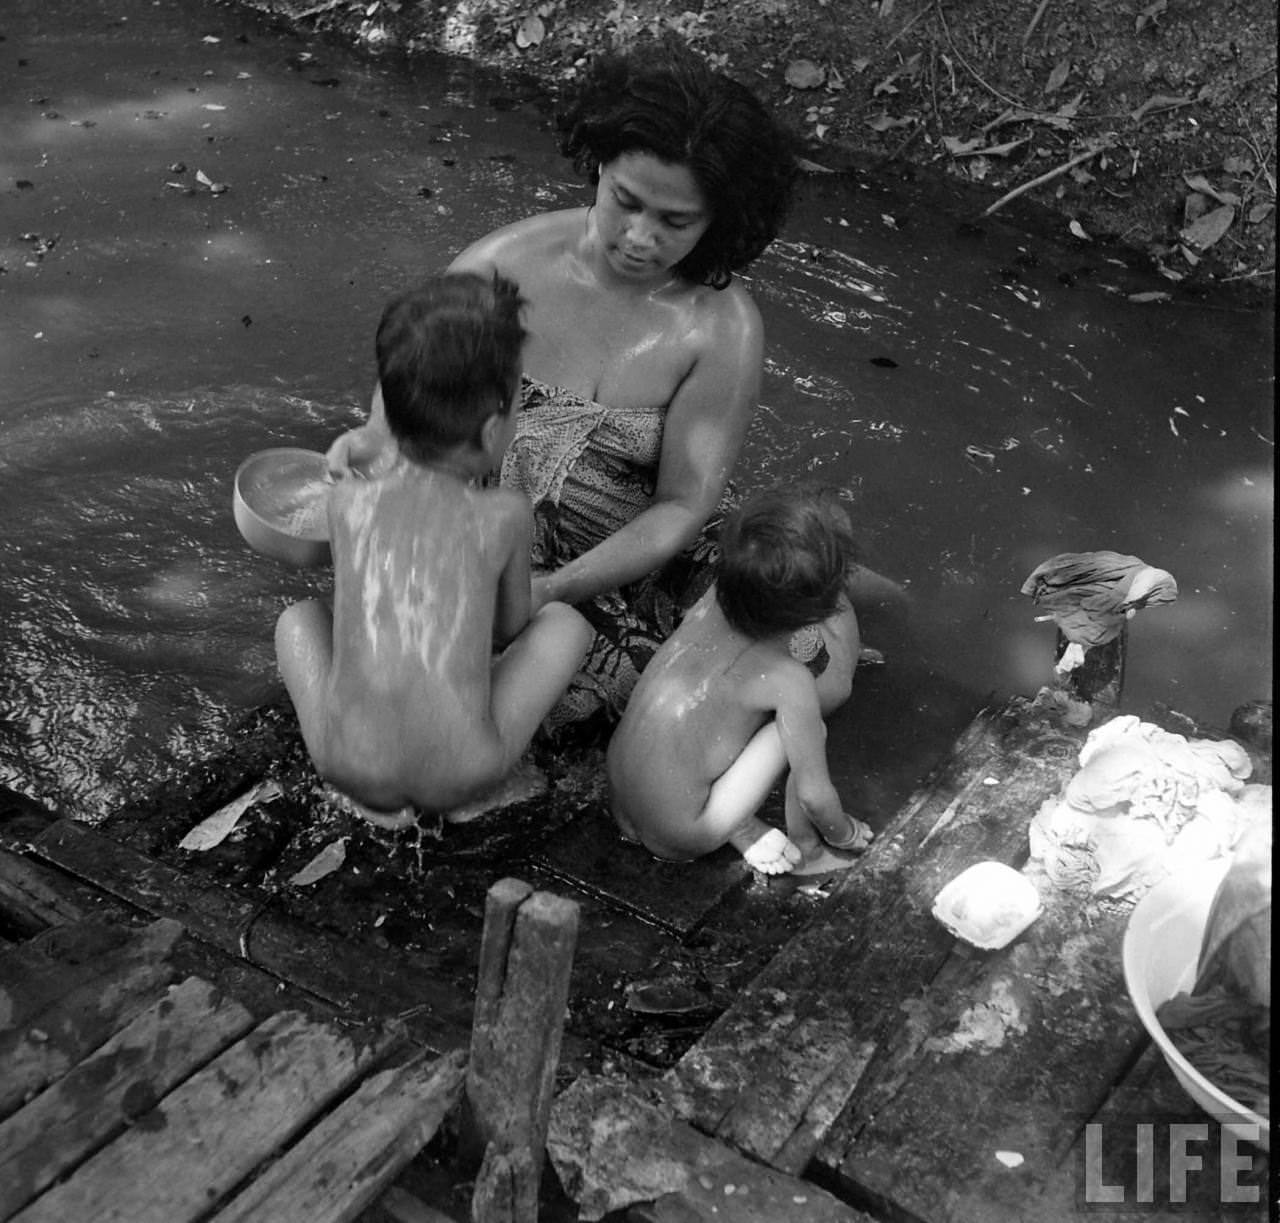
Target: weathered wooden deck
<point x="828" y="1041"/>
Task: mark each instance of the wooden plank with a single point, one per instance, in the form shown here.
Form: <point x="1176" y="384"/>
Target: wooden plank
<point x="1006" y="1053"/>
<point x="506" y="1188"/>
<point x="208" y="1134"/>
<point x="345" y="973"/>
<point x="97" y="1098"/>
<point x="38" y="973"/>
<point x="258" y="990"/>
<point x="754" y="1076"/>
<point x="347" y="1160"/>
<point x="57" y="1034"/>
<point x="401" y="1206"/>
<point x="28" y="903"/>
<point x="521" y="1001"/>
<point x="590" y="854"/>
<point x="614" y="1147"/>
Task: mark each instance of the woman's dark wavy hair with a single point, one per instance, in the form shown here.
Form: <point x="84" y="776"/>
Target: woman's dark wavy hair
<point x="449" y="356"/>
<point x="663" y="99"/>
<point x="785" y="555"/>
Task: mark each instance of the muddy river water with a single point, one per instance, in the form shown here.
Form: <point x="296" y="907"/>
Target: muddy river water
<point x="201" y="218"/>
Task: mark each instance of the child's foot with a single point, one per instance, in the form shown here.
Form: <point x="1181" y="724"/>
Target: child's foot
<point x="822" y="860"/>
<point x="772" y="854"/>
<point x="524" y="782"/>
<point x="858" y="839"/>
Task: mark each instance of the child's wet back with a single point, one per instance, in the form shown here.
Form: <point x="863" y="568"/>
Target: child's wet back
<point x="737" y="695"/>
<point x="399" y="696"/>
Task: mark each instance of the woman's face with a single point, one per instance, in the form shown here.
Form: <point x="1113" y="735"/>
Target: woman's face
<point x="649" y="215"/>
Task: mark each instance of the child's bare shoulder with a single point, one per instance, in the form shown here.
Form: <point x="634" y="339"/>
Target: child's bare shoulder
<point x="506" y="510"/>
<point x="778" y="680"/>
<point x="505" y="503"/>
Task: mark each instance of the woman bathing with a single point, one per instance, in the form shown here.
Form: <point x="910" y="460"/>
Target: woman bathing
<point x="644" y="355"/>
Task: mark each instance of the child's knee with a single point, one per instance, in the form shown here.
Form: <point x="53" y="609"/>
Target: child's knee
<point x="567" y="622"/>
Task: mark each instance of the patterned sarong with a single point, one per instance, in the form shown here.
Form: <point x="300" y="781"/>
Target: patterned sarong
<point x="589" y="470"/>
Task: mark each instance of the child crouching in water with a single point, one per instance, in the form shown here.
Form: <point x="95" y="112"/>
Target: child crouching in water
<point x="400" y="700"/>
<point x="726" y="705"/>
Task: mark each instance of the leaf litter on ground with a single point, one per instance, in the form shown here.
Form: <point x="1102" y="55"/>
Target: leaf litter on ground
<point x="214" y="830"/>
<point x="324" y="863"/>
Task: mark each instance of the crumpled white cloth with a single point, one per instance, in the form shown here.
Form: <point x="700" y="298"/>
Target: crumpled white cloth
<point x="1144" y="803"/>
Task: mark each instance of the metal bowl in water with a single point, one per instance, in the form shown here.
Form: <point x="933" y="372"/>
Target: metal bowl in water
<point x="281" y="505"/>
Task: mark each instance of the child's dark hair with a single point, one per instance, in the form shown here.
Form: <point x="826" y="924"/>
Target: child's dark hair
<point x="448" y="358"/>
<point x="784" y="560"/>
<point x="665" y="100"/>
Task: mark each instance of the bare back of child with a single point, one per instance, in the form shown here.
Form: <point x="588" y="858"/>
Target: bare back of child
<point x="725" y="707"/>
<point x="400" y="699"/>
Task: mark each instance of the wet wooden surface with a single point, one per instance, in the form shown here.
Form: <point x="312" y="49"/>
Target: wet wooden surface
<point x="132" y="1096"/>
<point x="830" y="1029"/>
<point x="928" y="1080"/>
<point x="662" y="946"/>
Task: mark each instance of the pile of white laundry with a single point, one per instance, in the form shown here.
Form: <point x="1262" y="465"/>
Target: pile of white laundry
<point x="1144" y="804"/>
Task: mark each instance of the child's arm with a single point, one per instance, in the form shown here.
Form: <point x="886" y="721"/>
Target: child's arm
<point x="515" y="599"/>
<point x="359" y="448"/>
<point x="804" y="740"/>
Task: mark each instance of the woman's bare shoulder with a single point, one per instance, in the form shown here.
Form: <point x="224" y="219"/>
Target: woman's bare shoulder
<point x="523" y="242"/>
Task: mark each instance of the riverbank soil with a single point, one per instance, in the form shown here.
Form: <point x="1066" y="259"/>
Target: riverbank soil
<point x="1150" y="124"/>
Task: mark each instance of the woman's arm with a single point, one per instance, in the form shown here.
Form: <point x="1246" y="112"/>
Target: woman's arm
<point x="705" y="426"/>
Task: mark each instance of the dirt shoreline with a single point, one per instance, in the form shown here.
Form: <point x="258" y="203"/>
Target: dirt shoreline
<point x="1145" y="126"/>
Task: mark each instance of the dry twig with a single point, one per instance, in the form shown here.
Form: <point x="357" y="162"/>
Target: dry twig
<point x="1047" y="177"/>
<point x="1035" y="21"/>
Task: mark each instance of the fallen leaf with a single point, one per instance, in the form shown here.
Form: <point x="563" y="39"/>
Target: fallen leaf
<point x="205" y="181"/>
<point x="965" y="148"/>
<point x="1154" y="295"/>
<point x="884" y="122"/>
<point x="214" y="830"/>
<point x="1068" y="109"/>
<point x="1149" y="15"/>
<point x="1194" y="207"/>
<point x="1078" y="231"/>
<point x="804" y="74"/>
<point x="1058" y="77"/>
<point x="530" y="32"/>
<point x="667" y="996"/>
<point x="212" y="106"/>
<point x="1158" y="102"/>
<point x="1208" y="229"/>
<point x="1198" y="182"/>
<point x="1260" y="212"/>
<point x="324" y="863"/>
<point x="812" y="167"/>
